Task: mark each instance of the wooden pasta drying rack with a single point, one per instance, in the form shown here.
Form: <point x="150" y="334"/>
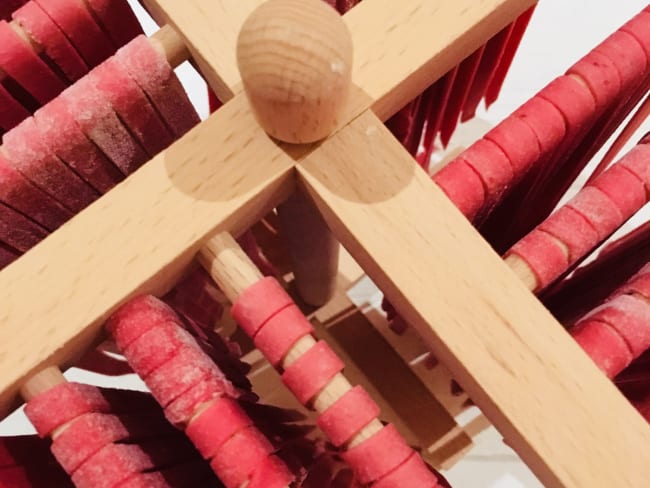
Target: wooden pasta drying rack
<point x="552" y="405"/>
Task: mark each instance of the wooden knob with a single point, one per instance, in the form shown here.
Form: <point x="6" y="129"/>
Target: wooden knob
<point x="295" y="59"/>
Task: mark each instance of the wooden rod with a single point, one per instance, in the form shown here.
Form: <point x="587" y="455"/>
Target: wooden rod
<point x="169" y="42"/>
<point x="234" y="272"/>
<point x="41" y="382"/>
<point x="523" y="271"/>
<point x="313" y="249"/>
<point x="520" y="267"/>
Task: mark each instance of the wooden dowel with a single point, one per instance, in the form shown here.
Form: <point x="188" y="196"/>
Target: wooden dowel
<point x="169" y="42"/>
<point x="313" y="249"/>
<point x="525" y="272"/>
<point x="222" y="257"/>
<point x="42" y="382"/>
<point x="234" y="272"/>
<point x="522" y="270"/>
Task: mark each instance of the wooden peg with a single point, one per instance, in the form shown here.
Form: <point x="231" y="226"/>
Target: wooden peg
<point x="169" y="42"/>
<point x="228" y="265"/>
<point x="42" y="382"/>
<point x="523" y="271"/>
<point x="233" y="272"/>
<point x="295" y="60"/>
<point x="313" y="249"/>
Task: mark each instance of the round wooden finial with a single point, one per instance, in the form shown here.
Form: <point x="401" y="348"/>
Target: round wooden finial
<point x="295" y="59"/>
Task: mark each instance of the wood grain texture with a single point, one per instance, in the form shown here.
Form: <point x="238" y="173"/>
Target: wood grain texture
<point x="169" y="42"/>
<point x="316" y="272"/>
<point x="400" y="48"/>
<point x="547" y="398"/>
<point x="523" y="271"/>
<point x="313" y="249"/>
<point x="41" y="382"/>
<point x="210" y="29"/>
<point x="295" y="60"/>
<point x="228" y="265"/>
<point x="224" y="174"/>
<point x="409" y="38"/>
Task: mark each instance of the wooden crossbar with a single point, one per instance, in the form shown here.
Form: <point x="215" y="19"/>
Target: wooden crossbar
<point x="399" y="49"/>
<point x="537" y="386"/>
<point x="222" y="175"/>
<point x="517" y="363"/>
